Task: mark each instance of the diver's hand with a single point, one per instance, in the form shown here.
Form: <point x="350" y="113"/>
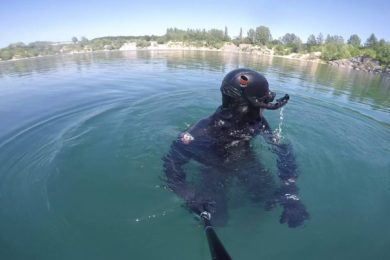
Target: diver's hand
<point x="294" y="212"/>
<point x="288" y="187"/>
<point x="285" y="98"/>
<point x="195" y="203"/>
<point x="191" y="200"/>
<point x="279" y="103"/>
<point x="282" y="101"/>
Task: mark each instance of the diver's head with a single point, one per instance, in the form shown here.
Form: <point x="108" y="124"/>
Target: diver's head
<point x="246" y="86"/>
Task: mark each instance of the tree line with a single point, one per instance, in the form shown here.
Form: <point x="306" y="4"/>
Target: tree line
<point x="332" y="47"/>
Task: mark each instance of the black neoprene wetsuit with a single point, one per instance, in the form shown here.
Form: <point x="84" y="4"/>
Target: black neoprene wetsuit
<point x="220" y="146"/>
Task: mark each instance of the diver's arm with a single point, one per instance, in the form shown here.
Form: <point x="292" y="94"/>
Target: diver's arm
<point x="287" y="167"/>
<point x="286" y="164"/>
<point x="181" y="152"/>
<point x="294" y="212"/>
<point x="173" y="168"/>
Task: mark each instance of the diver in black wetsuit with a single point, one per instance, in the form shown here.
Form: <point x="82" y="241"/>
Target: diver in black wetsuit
<point x="220" y="144"/>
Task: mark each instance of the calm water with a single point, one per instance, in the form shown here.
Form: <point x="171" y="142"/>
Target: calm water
<point x="81" y="141"/>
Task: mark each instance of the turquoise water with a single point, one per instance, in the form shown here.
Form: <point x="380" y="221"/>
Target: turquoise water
<point x="81" y="141"/>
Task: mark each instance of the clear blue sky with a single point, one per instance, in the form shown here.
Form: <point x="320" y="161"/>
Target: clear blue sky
<point x="32" y="20"/>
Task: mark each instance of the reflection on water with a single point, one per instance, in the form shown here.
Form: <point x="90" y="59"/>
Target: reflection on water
<point x="360" y="87"/>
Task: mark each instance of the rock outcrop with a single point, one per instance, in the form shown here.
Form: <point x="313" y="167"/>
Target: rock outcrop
<point x="361" y="63"/>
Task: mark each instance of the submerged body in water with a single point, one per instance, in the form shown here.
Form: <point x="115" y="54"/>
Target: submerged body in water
<point x="221" y="145"/>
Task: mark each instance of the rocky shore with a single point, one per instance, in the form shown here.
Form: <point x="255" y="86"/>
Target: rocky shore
<point x="362" y="64"/>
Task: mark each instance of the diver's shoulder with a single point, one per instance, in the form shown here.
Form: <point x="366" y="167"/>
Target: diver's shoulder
<point x="195" y="132"/>
<point x="200" y="126"/>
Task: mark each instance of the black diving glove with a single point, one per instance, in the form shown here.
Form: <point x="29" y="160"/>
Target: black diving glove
<point x="195" y="203"/>
<point x="294" y="212"/>
<point x="285" y="98"/>
<point x="279" y="103"/>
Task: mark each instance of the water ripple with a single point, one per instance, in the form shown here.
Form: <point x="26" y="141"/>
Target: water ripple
<point x="80" y="154"/>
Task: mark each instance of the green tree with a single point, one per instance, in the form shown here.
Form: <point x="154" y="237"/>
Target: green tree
<point x="31" y="52"/>
<point x="371" y="41"/>
<point x="251" y="36"/>
<point x="74" y="39"/>
<point x="39" y="45"/>
<point x="334" y="50"/>
<point x="226" y="35"/>
<point x="334" y="39"/>
<point x="276" y="42"/>
<point x="6" y="54"/>
<point x="174" y="34"/>
<point x="289" y="38"/>
<point x="143" y="43"/>
<point x="263" y="35"/>
<point x="320" y="39"/>
<point x="383" y="52"/>
<point x="292" y="41"/>
<point x="84" y="40"/>
<point x="354" y="51"/>
<point x="280" y="49"/>
<point x="369" y="53"/>
<point x="215" y="34"/>
<point x="354" y="40"/>
<point x="311" y="41"/>
<point x="17" y="45"/>
<point x="215" y="38"/>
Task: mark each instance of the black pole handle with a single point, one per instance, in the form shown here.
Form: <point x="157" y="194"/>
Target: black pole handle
<point x="217" y="250"/>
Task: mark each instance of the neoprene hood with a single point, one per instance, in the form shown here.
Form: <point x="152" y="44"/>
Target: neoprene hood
<point x="243" y="85"/>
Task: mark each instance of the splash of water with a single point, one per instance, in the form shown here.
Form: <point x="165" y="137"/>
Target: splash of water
<point x="278" y="131"/>
<point x="158" y="213"/>
<point x="163" y="213"/>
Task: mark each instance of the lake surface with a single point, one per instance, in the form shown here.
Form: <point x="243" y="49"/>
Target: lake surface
<point x="82" y="137"/>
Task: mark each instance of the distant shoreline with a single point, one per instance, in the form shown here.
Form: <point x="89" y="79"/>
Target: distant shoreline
<point x="293" y="56"/>
<point x="313" y="57"/>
